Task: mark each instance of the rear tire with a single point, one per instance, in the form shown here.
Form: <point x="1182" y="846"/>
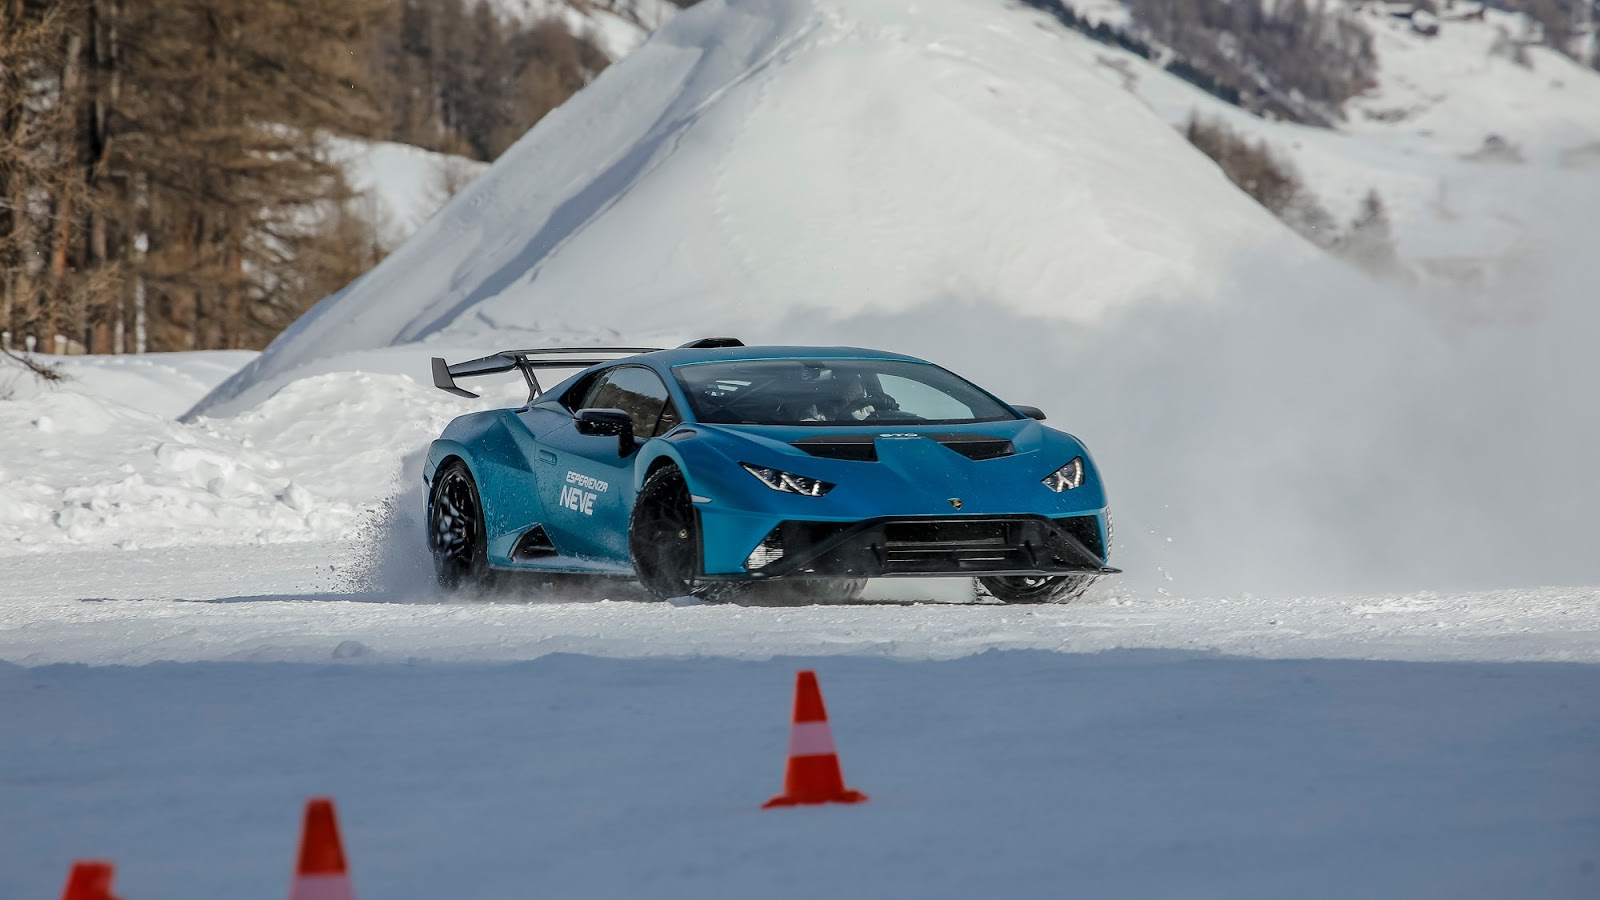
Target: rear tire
<point x="456" y="534"/>
<point x="1036" y="588"/>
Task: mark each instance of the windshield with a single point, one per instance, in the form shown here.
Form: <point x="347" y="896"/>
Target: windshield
<point x="839" y="391"/>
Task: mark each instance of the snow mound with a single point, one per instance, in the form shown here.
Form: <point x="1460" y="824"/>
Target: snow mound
<point x="99" y="461"/>
<point x="761" y="168"/>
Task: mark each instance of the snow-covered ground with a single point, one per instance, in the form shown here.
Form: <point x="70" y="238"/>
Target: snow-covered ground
<point x="1252" y="747"/>
<point x="316" y="601"/>
<point x="1017" y="774"/>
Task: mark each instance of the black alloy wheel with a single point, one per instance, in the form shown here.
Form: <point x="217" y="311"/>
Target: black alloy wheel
<point x="664" y="537"/>
<point x="456" y="533"/>
<point x="1036" y="588"/>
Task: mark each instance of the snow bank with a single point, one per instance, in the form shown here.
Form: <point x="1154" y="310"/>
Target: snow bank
<point x="760" y="162"/>
<point x="101" y="461"/>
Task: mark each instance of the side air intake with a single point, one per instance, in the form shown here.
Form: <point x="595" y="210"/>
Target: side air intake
<point x="534" y="544"/>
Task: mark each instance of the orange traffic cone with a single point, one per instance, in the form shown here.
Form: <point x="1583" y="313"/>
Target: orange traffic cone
<point x="89" y="880"/>
<point x="321" y="872"/>
<point x="813" y="774"/>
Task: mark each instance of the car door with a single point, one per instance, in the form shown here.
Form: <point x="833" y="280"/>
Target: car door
<point x="588" y="490"/>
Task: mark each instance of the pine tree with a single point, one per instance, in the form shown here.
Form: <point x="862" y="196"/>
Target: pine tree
<point x="1369" y="242"/>
<point x="224" y="135"/>
<point x="162" y="178"/>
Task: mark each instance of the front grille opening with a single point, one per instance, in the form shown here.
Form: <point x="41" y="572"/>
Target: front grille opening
<point x="946" y="533"/>
<point x="934" y="546"/>
<point x="770" y="550"/>
<point x="1087" y="530"/>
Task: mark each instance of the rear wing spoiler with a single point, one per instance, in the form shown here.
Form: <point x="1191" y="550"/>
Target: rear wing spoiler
<point x="526" y="361"/>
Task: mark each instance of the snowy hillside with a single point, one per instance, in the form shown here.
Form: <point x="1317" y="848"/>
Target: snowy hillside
<point x="618" y="27"/>
<point x="701" y="185"/>
<point x="1464" y="139"/>
<point x="399" y="186"/>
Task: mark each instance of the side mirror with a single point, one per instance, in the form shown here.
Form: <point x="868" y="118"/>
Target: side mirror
<point x="1032" y="412"/>
<point x="606" y="423"/>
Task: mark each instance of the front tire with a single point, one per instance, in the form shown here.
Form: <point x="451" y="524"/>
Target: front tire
<point x="664" y="537"/>
<point x="456" y="533"/>
<point x="1036" y="588"/>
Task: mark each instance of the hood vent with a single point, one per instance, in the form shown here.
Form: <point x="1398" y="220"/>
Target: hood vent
<point x="864" y="448"/>
<point x="855" y="447"/>
<point x="975" y="446"/>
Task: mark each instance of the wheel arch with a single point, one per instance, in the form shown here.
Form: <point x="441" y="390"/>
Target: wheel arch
<point x="440" y="453"/>
<point x="657" y="455"/>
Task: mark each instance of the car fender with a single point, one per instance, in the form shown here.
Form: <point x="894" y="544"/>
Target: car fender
<point x="705" y="464"/>
<point x="497" y="449"/>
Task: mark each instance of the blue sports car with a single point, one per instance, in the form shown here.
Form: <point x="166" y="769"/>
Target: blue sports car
<point x="715" y="468"/>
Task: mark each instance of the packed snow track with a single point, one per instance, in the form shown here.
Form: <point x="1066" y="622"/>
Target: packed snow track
<point x="473" y="754"/>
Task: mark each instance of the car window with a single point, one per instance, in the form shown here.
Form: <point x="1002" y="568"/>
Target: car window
<point x="923" y="400"/>
<point x="669" y="418"/>
<point x="580" y="391"/>
<point x="843" y="391"/>
<point x="636" y="391"/>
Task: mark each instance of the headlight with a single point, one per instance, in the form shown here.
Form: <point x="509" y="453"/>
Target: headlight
<point x="787" y="482"/>
<point x="1067" y="477"/>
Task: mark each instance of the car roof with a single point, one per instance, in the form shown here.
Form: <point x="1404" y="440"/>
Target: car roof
<point x="687" y="355"/>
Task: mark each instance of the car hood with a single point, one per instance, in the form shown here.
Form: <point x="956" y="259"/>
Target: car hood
<point x="992" y="467"/>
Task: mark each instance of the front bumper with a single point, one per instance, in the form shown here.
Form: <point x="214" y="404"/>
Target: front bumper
<point x="930" y="546"/>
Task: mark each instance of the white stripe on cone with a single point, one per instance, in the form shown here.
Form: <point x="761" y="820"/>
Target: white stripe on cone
<point x="322" y="887"/>
<point x="810" y="739"/>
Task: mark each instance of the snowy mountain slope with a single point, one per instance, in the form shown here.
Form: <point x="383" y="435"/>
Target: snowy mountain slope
<point x="1454" y="89"/>
<point x="617" y="27"/>
<point x="1416" y="137"/>
<point x="704" y="183"/>
<point x="399" y="186"/>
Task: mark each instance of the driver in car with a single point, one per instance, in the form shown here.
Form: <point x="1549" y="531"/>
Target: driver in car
<point x="857" y="403"/>
<point x="854" y="402"/>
